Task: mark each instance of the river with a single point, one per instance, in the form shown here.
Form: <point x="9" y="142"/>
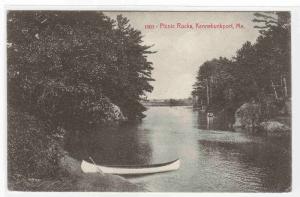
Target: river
<point x="211" y="160"/>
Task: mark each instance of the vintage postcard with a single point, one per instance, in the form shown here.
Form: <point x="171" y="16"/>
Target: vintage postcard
<point x="149" y="101"/>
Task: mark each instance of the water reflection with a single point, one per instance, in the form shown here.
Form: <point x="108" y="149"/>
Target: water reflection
<point x="217" y="122"/>
<point x="119" y="146"/>
<point x="262" y="165"/>
<point x="212" y="159"/>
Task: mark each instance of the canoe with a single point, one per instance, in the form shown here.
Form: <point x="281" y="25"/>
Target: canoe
<point x="87" y="167"/>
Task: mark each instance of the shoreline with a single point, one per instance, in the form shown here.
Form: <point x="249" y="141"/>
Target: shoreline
<point x="55" y="169"/>
<point x="96" y="181"/>
<point x="72" y="179"/>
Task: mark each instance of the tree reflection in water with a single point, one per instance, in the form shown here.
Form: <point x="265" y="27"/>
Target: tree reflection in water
<point x="119" y="146"/>
<point x="262" y="162"/>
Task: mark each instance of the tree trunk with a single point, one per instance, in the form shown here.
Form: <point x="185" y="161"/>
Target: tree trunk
<point x="285" y="87"/>
<point x="207" y="93"/>
<point x="275" y="92"/>
<point x="211" y="82"/>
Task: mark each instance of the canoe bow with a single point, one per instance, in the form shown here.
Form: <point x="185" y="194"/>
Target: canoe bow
<point x="130" y="170"/>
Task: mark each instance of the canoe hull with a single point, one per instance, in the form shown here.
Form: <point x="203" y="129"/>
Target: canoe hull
<point x="87" y="167"/>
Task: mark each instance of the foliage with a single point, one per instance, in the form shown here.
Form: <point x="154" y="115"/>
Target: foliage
<point x="33" y="147"/>
<point x="71" y="70"/>
<point x="259" y="72"/>
<point x="174" y="102"/>
<point x="214" y="83"/>
<point x="68" y="67"/>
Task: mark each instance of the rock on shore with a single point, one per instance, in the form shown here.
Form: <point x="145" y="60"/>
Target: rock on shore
<point x="247" y="117"/>
<point x="274" y="127"/>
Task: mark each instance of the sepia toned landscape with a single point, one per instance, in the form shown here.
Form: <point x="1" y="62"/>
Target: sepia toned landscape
<point x="144" y="101"/>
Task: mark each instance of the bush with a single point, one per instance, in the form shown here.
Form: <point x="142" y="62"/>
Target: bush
<point x="68" y="67"/>
<point x="33" y="148"/>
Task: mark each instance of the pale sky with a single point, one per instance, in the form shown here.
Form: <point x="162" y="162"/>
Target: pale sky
<point x="180" y="52"/>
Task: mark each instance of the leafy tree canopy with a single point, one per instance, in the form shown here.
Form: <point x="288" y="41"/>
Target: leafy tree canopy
<point x="256" y="72"/>
<point x="69" y="67"/>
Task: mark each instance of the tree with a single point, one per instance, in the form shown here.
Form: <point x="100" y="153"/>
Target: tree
<point x="133" y="71"/>
<point x="274" y="49"/>
<point x="256" y="71"/>
<point x="69" y="67"/>
<point x="68" y="71"/>
<point x="213" y="81"/>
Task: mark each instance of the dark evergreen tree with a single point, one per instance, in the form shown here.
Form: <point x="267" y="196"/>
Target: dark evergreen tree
<point x="69" y="66"/>
<point x="258" y="72"/>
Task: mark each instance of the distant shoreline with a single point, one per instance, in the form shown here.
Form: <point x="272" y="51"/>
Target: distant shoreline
<point x="169" y="102"/>
<point x="164" y="105"/>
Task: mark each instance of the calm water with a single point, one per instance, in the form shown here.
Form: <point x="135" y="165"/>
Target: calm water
<point x="211" y="160"/>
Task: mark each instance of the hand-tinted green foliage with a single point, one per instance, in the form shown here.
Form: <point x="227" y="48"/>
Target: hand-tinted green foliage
<point x="68" y="66"/>
<point x="259" y="71"/>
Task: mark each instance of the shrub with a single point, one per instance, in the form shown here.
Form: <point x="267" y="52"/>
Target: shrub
<point x="33" y="150"/>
